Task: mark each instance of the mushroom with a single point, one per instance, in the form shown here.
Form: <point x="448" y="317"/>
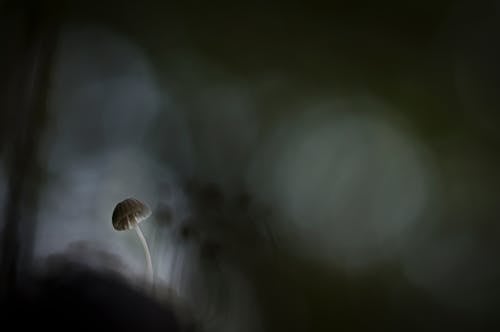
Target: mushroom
<point x="128" y="214"/>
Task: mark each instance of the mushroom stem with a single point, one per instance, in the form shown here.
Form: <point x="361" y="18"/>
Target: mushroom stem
<point x="148" y="255"/>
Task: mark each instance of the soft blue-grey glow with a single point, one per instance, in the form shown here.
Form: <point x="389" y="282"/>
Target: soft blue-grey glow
<point x="101" y="104"/>
<point x="106" y="108"/>
<point x="350" y="185"/>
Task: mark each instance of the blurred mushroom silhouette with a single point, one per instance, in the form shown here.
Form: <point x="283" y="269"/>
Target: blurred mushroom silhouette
<point x="128" y="214"/>
<point x="210" y="252"/>
<point x="186" y="234"/>
<point x="164" y="214"/>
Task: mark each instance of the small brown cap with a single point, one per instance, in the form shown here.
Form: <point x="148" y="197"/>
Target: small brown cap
<point x="128" y="213"/>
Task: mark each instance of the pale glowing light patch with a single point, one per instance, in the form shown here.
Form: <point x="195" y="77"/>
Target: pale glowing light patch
<point x="349" y="185"/>
<point x="101" y="105"/>
<point x="78" y="206"/>
<point x="102" y="98"/>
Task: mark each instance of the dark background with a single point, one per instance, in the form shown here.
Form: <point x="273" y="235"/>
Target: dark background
<point x="332" y="166"/>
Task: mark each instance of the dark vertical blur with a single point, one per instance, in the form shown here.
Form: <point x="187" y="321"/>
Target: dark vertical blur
<point x="29" y="33"/>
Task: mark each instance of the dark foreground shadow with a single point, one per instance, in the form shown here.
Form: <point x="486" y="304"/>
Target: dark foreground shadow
<point x="75" y="297"/>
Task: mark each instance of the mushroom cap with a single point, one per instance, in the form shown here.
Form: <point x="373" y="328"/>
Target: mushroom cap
<point x="129" y="213"/>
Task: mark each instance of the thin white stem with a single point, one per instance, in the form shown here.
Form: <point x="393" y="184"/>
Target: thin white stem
<point x="148" y="255"/>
